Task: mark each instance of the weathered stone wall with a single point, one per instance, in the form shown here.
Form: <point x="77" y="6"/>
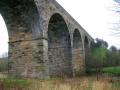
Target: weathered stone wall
<point x="41" y="45"/>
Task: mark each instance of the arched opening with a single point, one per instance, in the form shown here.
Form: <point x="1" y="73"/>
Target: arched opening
<point x="22" y="21"/>
<point x="78" y="62"/>
<point x="59" y="47"/>
<point x="77" y="41"/>
<point x="87" y="50"/>
<point x="3" y="39"/>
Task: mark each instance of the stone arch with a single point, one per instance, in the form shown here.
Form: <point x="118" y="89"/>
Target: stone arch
<point x="20" y="16"/>
<point x="78" y="63"/>
<point x="59" y="47"/>
<point x="22" y="21"/>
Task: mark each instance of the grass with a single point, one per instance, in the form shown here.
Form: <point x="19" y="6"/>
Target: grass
<point x="83" y="83"/>
<point x="112" y="70"/>
<point x="108" y="70"/>
<point x="90" y="85"/>
<point x="117" y="85"/>
<point x="13" y="82"/>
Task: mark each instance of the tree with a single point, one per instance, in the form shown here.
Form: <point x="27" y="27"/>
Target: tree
<point x="101" y="56"/>
<point x="114" y="56"/>
<point x="113" y="49"/>
<point x="98" y="54"/>
<point x="101" y="43"/>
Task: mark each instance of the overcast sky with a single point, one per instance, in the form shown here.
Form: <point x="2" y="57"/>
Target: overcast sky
<point x="95" y="16"/>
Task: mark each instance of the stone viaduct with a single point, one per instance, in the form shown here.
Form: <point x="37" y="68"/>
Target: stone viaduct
<point x="44" y="40"/>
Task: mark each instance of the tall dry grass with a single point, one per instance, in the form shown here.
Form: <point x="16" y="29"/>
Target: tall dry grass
<point x="83" y="83"/>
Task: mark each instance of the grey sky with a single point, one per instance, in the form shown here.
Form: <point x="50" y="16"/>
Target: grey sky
<point x="96" y="16"/>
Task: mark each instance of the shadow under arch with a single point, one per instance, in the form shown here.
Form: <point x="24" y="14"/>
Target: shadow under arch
<point x="77" y="40"/>
<point x="59" y="47"/>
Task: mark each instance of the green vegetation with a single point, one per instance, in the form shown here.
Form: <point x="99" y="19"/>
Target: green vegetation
<point x="13" y="82"/>
<point x="90" y="85"/>
<point x="112" y="70"/>
<point x="116" y="85"/>
<point x="103" y="60"/>
<point x="108" y="70"/>
<point x="98" y="56"/>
